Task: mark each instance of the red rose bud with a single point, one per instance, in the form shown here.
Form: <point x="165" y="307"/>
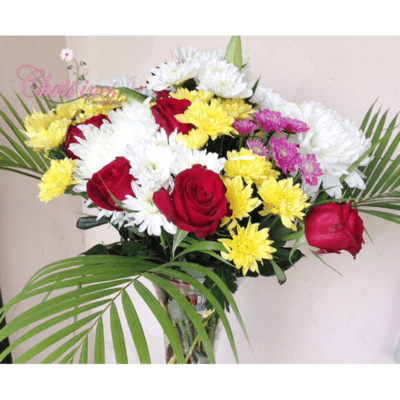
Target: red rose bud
<point x="113" y="178"/>
<point x="164" y="112"/>
<point x="197" y="203"/>
<point x="74" y="132"/>
<point x="333" y="227"/>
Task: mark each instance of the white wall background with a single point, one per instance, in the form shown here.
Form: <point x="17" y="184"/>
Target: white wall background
<point x="317" y="316"/>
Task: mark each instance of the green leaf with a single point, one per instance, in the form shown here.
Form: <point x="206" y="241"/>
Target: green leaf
<point x="131" y="94"/>
<point x="278" y="272"/>
<point x="50" y="103"/>
<point x="118" y="336"/>
<point x="359" y="161"/>
<point x="371" y="126"/>
<point x="379" y="204"/>
<point x="56" y="337"/>
<point x="366" y="118"/>
<point x="162" y="318"/>
<point x="48" y="324"/>
<point x="20" y="172"/>
<point x="20" y="150"/>
<point x="91" y="222"/>
<point x="201" y="246"/>
<point x="136" y="329"/>
<point x="293" y="236"/>
<point x="42" y="109"/>
<point x="23" y="104"/>
<point x="384" y="215"/>
<point x="228" y="276"/>
<point x="98" y="249"/>
<point x="178" y="237"/>
<point x="14" y="156"/>
<point x="65" y="347"/>
<point x="390" y="176"/>
<point x="12" y="109"/>
<point x="99" y="347"/>
<point x="375" y="167"/>
<point x="84" y="352"/>
<point x="32" y="154"/>
<point x="52" y="307"/>
<point x="234" y="52"/>
<point x="283" y="258"/>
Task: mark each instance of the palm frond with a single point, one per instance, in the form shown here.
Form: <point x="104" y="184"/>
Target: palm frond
<point x="88" y="287"/>
<point x="20" y="158"/>
<point x="382" y="182"/>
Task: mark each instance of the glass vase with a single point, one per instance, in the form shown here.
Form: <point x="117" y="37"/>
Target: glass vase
<point x="192" y="345"/>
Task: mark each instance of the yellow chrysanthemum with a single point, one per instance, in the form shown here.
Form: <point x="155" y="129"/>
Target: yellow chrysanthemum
<point x="283" y="199"/>
<point x="195" y="139"/>
<point x="250" y="166"/>
<point x="247" y="247"/>
<point x="183" y="93"/>
<point x="45" y="131"/>
<point x="240" y="200"/>
<point x="67" y="110"/>
<point x="210" y="118"/>
<point x="57" y="179"/>
<point x="237" y="108"/>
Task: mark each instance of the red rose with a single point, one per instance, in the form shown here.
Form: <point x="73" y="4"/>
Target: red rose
<point x="74" y="132"/>
<point x="333" y="227"/>
<point x="197" y="203"/>
<point x="164" y="112"/>
<point x="114" y="178"/>
<point x="163" y="94"/>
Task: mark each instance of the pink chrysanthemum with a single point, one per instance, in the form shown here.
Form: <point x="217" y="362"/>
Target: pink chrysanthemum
<point x="285" y="154"/>
<point x="258" y="148"/>
<point x="295" y="125"/>
<point x="310" y="169"/>
<point x="270" y="120"/>
<point x="245" y="126"/>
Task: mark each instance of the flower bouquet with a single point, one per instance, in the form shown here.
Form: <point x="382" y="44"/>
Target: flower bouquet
<point x="208" y="177"/>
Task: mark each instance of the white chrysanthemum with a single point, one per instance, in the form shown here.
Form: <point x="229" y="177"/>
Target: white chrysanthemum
<point x="146" y="214"/>
<point x="102" y="145"/>
<point x="189" y="157"/>
<point x="183" y="53"/>
<point x="224" y="80"/>
<point x="176" y="146"/>
<point x="150" y="162"/>
<point x="124" y="81"/>
<point x="265" y="98"/>
<point x="117" y="217"/>
<point x="187" y="54"/>
<point x="171" y="74"/>
<point x="337" y="144"/>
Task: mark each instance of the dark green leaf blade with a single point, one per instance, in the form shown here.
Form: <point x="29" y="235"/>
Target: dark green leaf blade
<point x="118" y="336"/>
<point x="83" y="359"/>
<point x="99" y="347"/>
<point x="136" y="329"/>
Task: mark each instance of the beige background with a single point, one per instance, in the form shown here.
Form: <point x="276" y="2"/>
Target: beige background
<point x="317" y="316"/>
